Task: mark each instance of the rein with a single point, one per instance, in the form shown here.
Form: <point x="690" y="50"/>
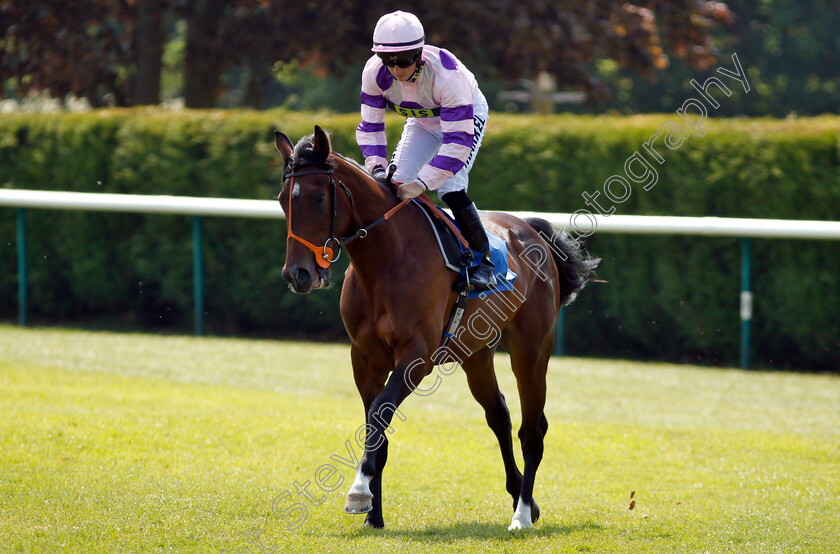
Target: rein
<point x="324" y="254"/>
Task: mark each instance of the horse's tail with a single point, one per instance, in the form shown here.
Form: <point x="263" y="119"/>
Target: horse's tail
<point x="574" y="265"/>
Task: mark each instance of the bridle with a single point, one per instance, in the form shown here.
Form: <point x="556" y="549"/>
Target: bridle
<point x="325" y="255"/>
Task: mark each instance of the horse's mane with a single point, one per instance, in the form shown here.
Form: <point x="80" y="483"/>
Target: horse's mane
<point x="305" y="155"/>
<point x="354" y="163"/>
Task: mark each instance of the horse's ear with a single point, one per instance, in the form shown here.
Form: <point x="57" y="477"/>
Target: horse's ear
<point x="283" y="144"/>
<point x="322" y="142"/>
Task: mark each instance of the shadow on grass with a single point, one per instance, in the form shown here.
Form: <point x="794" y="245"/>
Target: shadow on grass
<point x="475" y="530"/>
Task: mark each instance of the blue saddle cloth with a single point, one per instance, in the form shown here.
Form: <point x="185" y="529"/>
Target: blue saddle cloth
<point x="453" y="252"/>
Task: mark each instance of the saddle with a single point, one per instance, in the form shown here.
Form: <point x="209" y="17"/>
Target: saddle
<point x="457" y="257"/>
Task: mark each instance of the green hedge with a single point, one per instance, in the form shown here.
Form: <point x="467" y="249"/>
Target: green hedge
<point x="666" y="298"/>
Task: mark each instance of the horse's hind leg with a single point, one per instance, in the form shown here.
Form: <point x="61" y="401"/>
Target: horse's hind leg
<point x="530" y="352"/>
<point x="481" y="378"/>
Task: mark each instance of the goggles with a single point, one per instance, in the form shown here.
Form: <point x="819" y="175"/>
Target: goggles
<point x="404" y="61"/>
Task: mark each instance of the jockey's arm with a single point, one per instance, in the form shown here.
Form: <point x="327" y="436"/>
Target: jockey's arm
<point x="370" y="134"/>
<point x="457" y="128"/>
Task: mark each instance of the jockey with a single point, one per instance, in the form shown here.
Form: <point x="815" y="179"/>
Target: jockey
<point x="446" y="115"/>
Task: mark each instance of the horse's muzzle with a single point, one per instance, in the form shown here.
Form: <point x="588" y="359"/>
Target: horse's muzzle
<point x="299" y="278"/>
<point x="303" y="280"/>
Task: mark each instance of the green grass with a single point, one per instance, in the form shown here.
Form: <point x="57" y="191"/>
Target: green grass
<point x="126" y="443"/>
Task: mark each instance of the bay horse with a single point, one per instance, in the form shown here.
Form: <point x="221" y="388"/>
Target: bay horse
<point x="397" y="298"/>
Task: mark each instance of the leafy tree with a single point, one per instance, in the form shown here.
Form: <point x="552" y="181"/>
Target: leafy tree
<point x="787" y="47"/>
<point x="149" y="38"/>
<point x="98" y="47"/>
<point x="565" y="38"/>
<point x="514" y="39"/>
<point x="791" y="49"/>
<point x="80" y="47"/>
<point x="250" y="34"/>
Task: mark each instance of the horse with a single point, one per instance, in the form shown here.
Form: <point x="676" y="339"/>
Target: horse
<point x="397" y="298"/>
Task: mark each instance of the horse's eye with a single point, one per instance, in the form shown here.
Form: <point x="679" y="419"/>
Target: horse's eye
<point x="318" y="198"/>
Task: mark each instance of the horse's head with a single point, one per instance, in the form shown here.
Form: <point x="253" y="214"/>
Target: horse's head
<point x="317" y="212"/>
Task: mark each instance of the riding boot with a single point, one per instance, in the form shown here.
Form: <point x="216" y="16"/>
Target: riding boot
<point x="481" y="276"/>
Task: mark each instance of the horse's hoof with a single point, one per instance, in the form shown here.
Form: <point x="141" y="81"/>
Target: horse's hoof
<point x="516" y="525"/>
<point x="522" y="516"/>
<point x="358" y="503"/>
<point x="535" y="511"/>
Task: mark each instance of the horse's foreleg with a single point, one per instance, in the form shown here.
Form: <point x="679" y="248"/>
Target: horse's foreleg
<point x="369" y="383"/>
<point x="360" y="495"/>
<point x="367" y="488"/>
<point x="365" y="495"/>
<point x="375" y="518"/>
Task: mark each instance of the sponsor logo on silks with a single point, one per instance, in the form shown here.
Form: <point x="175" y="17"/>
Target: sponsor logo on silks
<point x="414" y="112"/>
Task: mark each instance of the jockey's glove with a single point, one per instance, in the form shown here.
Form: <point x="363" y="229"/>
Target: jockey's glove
<point x="410" y="190"/>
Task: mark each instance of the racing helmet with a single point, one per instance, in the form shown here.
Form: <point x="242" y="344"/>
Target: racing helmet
<point x="398" y="32"/>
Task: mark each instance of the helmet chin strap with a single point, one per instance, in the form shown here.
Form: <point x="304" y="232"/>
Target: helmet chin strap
<point x="420" y="64"/>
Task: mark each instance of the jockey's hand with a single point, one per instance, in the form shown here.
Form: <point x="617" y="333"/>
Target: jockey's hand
<point x="379" y="174"/>
<point x="410" y="190"/>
